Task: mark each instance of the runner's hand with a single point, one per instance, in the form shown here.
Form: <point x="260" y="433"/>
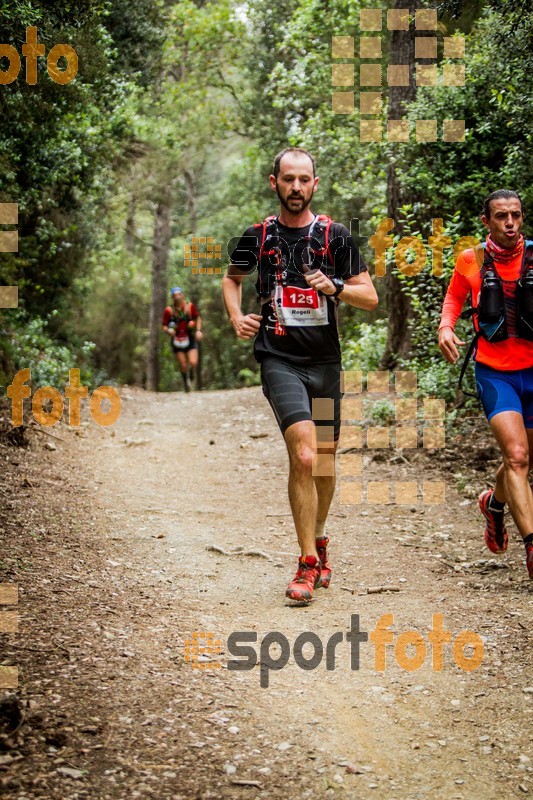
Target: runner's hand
<point x="198" y="336"/>
<point x="246" y="326"/>
<point x="448" y="343"/>
<point x="320" y="282"/>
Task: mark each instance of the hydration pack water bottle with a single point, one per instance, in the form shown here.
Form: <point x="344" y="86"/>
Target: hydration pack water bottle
<point x="491" y="310"/>
<point x="524" y="306"/>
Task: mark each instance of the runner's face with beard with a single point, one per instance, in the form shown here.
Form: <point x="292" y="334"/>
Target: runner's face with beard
<point x="295" y="184"/>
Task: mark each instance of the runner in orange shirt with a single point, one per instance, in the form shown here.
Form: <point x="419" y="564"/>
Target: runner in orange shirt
<point x="504" y="366"/>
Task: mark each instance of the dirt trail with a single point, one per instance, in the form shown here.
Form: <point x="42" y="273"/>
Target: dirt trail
<point x="131" y="541"/>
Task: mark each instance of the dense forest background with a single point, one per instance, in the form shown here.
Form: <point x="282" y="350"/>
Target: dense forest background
<point x="168" y="131"/>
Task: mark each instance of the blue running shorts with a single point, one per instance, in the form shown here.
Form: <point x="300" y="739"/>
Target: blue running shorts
<point x="506" y="391"/>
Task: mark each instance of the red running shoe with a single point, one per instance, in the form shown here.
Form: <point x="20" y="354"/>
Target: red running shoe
<point x="529" y="559"/>
<point x="325" y="572"/>
<point x="306" y="579"/>
<point x="496" y="537"/>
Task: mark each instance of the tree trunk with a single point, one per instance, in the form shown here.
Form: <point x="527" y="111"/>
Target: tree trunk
<point x="398" y="306"/>
<point x="160" y="248"/>
<point x="402" y="51"/>
<point x="129" y="237"/>
<point x="190" y="183"/>
<point x="130" y="232"/>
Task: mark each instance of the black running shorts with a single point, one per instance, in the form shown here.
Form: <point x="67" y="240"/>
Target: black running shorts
<point x="193" y="345"/>
<point x="290" y="389"/>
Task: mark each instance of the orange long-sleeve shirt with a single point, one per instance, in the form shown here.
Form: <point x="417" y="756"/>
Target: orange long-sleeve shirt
<point x="513" y="353"/>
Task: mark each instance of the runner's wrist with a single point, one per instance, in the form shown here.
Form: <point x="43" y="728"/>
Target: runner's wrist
<point x="338" y="286"/>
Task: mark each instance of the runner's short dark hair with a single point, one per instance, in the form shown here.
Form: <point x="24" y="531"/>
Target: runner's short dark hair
<point x="500" y="194"/>
<point x="277" y="160"/>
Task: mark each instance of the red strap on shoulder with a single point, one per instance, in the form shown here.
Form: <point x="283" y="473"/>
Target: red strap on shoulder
<point x="266" y="222"/>
<point x="327" y="222"/>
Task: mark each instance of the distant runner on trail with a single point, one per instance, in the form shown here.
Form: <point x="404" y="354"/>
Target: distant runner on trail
<point x="306" y="264"/>
<point x="183" y="323"/>
<point x="500" y="284"/>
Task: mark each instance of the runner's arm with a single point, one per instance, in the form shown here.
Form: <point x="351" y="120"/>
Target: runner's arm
<point x="166" y="319"/>
<point x="358" y="290"/>
<point x="245" y="325"/>
<point x="348" y="264"/>
<point x="454" y="301"/>
<point x="196" y="321"/>
<point x="198" y="330"/>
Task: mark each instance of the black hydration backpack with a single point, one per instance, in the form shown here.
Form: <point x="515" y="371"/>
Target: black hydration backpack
<point x="270" y="249"/>
<point x="490" y="316"/>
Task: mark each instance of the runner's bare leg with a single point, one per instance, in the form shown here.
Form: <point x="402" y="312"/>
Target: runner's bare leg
<point x="325" y="487"/>
<point x="512" y="476"/>
<point x="310" y="497"/>
<point x="181" y="358"/>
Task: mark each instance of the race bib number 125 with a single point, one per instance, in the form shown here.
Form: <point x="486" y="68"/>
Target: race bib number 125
<point x="300" y="307"/>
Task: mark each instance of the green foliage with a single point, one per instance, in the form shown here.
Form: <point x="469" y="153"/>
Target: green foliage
<point x="363" y="347"/>
<point x="190" y="101"/>
<point x="382" y="412"/>
<point x="57" y="146"/>
<point x="27" y="343"/>
<point x="298" y="87"/>
<point x="248" y="377"/>
<point x="112" y="312"/>
<point x="495" y="104"/>
<point x="138" y="32"/>
<point x="426" y="291"/>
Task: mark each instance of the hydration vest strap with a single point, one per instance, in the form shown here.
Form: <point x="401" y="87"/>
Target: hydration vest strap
<point x="320" y="220"/>
<point x="466" y="359"/>
<point x="265" y="225"/>
<point x="527" y="262"/>
<point x="314" y="224"/>
<point x="483" y="328"/>
<point x="268" y="222"/>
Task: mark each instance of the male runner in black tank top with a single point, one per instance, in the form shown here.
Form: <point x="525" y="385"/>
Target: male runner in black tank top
<point x="297" y="344"/>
